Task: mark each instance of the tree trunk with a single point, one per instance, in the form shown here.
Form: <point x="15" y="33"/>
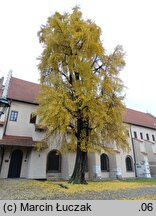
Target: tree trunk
<point x="78" y="176"/>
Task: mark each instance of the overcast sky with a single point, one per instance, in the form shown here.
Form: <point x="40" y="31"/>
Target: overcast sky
<point x="131" y="24"/>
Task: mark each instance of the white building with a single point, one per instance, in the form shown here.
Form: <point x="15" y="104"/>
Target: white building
<point x="19" y="131"/>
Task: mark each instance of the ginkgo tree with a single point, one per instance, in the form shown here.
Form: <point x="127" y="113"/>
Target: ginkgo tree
<point x="81" y="91"/>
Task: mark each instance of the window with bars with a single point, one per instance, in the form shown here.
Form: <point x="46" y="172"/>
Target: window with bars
<point x="13" y="116"/>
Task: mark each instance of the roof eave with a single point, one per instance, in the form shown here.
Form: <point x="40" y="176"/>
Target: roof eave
<point x="139" y="125"/>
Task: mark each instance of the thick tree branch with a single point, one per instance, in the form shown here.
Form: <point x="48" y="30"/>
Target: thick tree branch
<point x="98" y="68"/>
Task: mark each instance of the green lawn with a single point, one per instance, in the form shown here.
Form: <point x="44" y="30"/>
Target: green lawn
<point x="34" y="189"/>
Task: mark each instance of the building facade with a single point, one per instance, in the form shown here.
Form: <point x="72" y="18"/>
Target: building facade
<point x="19" y="131"/>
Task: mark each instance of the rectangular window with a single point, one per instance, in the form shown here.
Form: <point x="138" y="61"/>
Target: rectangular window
<point x="153" y="137"/>
<point x="141" y="135"/>
<point x="13" y="116"/>
<point x="32" y="119"/>
<point x="147" y="136"/>
<point x="135" y="134"/>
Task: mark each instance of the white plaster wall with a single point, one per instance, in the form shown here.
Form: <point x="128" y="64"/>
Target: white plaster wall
<point x="124" y="154"/>
<point x="1" y="131"/>
<point x="115" y="165"/>
<point x="21" y="127"/>
<point x="143" y="147"/>
<point x="139" y="153"/>
<point x="37" y="165"/>
<point x="70" y="157"/>
<point x="125" y="173"/>
<point x="37" y="135"/>
<point x="154" y="148"/>
<point x="144" y="130"/>
<point x="151" y="151"/>
<point x="104" y="175"/>
<point x="94" y="166"/>
<point x="25" y="162"/>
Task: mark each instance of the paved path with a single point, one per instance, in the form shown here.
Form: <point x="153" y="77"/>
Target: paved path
<point x="116" y="195"/>
<point x="105" y="195"/>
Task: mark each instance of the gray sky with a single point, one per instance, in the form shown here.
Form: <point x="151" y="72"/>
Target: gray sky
<point x="128" y="23"/>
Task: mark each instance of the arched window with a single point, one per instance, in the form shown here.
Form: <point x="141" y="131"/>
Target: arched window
<point x="104" y="163"/>
<point x="129" y="166"/>
<point x="54" y="161"/>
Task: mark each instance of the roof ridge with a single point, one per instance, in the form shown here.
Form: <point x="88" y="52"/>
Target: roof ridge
<point x="24" y="80"/>
<point x="141" y="112"/>
<point x="151" y="115"/>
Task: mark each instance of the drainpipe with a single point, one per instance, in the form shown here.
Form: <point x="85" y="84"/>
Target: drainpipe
<point x="133" y="152"/>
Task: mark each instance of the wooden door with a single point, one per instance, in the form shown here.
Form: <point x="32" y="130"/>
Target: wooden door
<point x="15" y="164"/>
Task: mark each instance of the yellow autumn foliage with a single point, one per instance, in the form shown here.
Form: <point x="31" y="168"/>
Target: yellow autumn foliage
<point x="114" y="185"/>
<point x="80" y="85"/>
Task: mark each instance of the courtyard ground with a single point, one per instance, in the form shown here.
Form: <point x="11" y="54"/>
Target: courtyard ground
<point x="131" y="189"/>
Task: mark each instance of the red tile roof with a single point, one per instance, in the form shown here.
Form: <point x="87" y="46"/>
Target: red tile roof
<point x="22" y="90"/>
<point x="17" y="141"/>
<point x="139" y="118"/>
